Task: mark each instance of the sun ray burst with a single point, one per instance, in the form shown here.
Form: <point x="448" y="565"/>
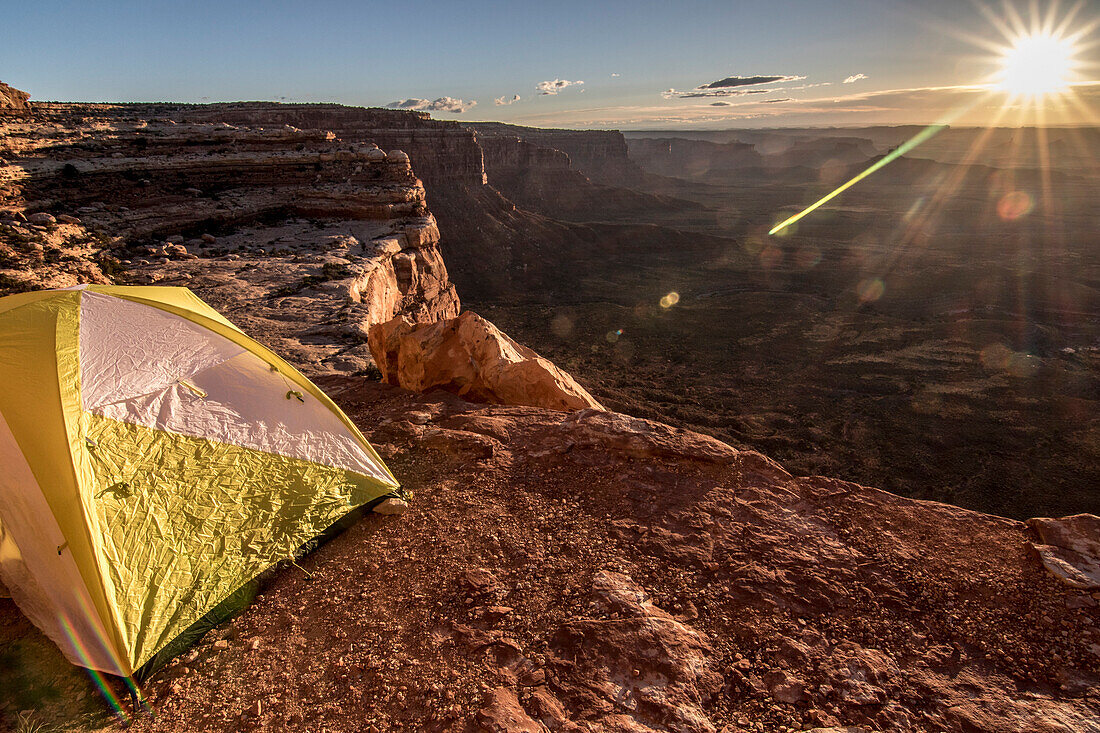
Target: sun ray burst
<point x="1038" y="69"/>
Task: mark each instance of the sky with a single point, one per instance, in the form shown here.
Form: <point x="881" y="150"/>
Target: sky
<point x="591" y="64"/>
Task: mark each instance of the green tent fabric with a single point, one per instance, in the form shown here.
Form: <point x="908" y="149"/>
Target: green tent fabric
<point x="156" y="460"/>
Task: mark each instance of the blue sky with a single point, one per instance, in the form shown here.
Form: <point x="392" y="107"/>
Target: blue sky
<point x="373" y="53"/>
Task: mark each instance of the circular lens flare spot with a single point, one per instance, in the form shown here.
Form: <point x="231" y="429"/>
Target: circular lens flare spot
<point x="771" y="257"/>
<point x="561" y="325"/>
<point x="870" y="290"/>
<point x="613" y="336"/>
<point x="753" y="245"/>
<point x="1000" y="358"/>
<point x="1015" y="205"/>
<point x="995" y="357"/>
<point x="670" y="300"/>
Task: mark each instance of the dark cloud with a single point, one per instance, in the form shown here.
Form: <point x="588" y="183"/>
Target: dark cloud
<point x="720" y="93"/>
<point x="554" y="86"/>
<point x="773" y="101"/>
<point x="732" y="86"/>
<point x="721" y="104"/>
<point x="443" y="104"/>
<point x="744" y="81"/>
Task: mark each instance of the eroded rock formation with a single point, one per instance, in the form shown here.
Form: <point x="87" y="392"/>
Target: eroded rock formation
<point x="599" y="154"/>
<point x="13" y="99"/>
<point x="578" y="572"/>
<point x="471" y="357"/>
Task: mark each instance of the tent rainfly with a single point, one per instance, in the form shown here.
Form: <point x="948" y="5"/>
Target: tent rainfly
<point x="154" y="461"/>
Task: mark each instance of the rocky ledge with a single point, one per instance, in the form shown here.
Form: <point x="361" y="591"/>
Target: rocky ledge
<point x="594" y="572"/>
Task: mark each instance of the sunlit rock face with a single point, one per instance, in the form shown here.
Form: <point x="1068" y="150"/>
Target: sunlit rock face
<point x="1069" y="549"/>
<point x="12" y="98"/>
<point x="471" y="357"/>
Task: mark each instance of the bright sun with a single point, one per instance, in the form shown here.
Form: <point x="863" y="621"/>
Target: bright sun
<point x="1037" y="65"/>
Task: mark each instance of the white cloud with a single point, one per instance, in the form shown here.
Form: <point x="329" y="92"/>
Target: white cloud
<point x="501" y="101"/>
<point x="555" y="86"/>
<point x="854" y="78"/>
<point x="614" y="75"/>
<point x="443" y="104"/>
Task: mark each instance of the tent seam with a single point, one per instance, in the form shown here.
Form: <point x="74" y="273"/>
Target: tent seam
<point x="115" y="616"/>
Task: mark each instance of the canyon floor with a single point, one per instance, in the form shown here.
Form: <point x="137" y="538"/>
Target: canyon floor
<point x="917" y="334"/>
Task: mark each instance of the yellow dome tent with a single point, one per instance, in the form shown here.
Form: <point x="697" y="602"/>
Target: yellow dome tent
<point x="155" y="460"/>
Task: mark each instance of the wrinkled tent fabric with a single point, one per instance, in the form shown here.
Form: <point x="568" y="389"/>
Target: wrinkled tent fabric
<point x="155" y="459"/>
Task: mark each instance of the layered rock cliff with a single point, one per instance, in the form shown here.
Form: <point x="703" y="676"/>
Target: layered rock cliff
<point x="599" y="154"/>
<point x="258" y="220"/>
<point x="442" y="151"/>
<point x="545" y="180"/>
<point x="692" y="158"/>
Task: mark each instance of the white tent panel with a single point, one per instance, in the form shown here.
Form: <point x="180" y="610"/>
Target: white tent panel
<point x="39" y="571"/>
<point x="203" y="385"/>
<point x="128" y="349"/>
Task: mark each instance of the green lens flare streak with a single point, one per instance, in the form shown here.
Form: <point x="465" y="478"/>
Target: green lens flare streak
<point x="920" y="137"/>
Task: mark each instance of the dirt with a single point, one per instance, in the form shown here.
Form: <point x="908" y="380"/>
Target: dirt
<point x="587" y="572"/>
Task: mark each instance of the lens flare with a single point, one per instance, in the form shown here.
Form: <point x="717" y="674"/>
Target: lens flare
<point x="561" y="325"/>
<point x="670" y="300"/>
<point x="925" y="134"/>
<point x="1037" y="65"/>
<point x="870" y="290"/>
<point x="1015" y="205"/>
<point x="104" y="689"/>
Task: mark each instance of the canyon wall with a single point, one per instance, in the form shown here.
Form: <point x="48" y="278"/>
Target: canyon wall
<point x="441" y="151"/>
<point x="300" y="237"/>
<point x="599" y="154"/>
<point x="671" y="156"/>
<point x="139" y="174"/>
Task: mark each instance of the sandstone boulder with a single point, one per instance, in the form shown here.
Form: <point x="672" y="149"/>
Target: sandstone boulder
<point x="12" y="98"/>
<point x="1069" y="548"/>
<point x="42" y="218"/>
<point x="471" y="357"/>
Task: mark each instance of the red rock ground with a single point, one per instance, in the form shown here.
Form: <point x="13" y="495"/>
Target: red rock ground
<point x="593" y="572"/>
